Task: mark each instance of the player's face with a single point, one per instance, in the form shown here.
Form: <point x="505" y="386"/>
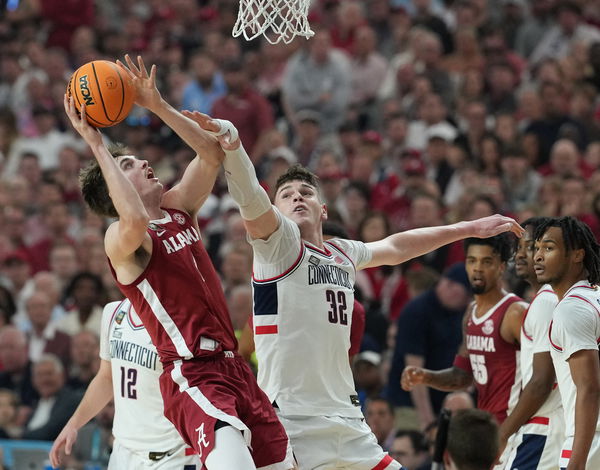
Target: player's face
<point x="550" y="257"/>
<point x="139" y="173"/>
<point x="524" y="256"/>
<point x="484" y="268"/>
<point x="300" y="202"/>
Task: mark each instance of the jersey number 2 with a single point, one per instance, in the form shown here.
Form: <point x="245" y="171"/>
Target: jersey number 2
<point x="128" y="381"/>
<point x="337" y="312"/>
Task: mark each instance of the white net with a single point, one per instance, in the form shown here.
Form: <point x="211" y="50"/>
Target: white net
<point x="277" y="20"/>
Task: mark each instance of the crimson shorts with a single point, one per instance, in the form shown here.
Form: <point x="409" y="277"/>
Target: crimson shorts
<point x="200" y="392"/>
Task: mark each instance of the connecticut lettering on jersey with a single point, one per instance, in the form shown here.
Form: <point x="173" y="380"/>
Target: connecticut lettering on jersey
<point x="133" y="353"/>
<point x="480" y="343"/>
<point x="183" y="238"/>
<point x="328" y="274"/>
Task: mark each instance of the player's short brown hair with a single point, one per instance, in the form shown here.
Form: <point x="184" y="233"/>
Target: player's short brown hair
<point x="93" y="185"/>
<point x="298" y="173"/>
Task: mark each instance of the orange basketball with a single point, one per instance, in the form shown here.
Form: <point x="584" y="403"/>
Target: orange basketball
<point x="107" y="92"/>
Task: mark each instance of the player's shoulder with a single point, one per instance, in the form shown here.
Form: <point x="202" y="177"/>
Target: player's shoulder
<point x="112" y="307"/>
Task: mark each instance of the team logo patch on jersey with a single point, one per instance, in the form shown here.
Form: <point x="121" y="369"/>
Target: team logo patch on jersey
<point x="488" y="327"/>
<point x="119" y="317"/>
<point x="179" y="218"/>
<point x="313" y="260"/>
<point x="117" y="333"/>
<point x="340" y="260"/>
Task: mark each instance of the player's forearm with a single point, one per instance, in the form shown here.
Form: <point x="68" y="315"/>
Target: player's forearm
<point x="448" y="380"/>
<point x="125" y="198"/>
<point x="532" y="398"/>
<point x="422" y="403"/>
<point x="189" y="131"/>
<point x="97" y="395"/>
<point x="587" y="407"/>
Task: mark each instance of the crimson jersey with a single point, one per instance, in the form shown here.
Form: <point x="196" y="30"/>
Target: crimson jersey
<point x="494" y="362"/>
<point x="179" y="296"/>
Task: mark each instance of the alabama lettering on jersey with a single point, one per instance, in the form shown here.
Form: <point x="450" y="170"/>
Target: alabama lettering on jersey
<point x="494" y="362"/>
<point x="575" y="327"/>
<point x="534" y="339"/>
<point x="179" y="296"/>
<point x="139" y="422"/>
<point x="303" y="304"/>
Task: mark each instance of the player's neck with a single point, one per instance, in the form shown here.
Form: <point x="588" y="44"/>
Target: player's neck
<point x="485" y="301"/>
<point x="314" y="237"/>
<point x="569" y="280"/>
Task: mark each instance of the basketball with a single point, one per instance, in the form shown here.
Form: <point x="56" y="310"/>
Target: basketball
<point x="106" y="91"/>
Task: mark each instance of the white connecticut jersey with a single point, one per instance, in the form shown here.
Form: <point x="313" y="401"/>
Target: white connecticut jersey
<point x="139" y="422"/>
<point x="303" y="304"/>
<point x="575" y="327"/>
<point x="534" y="339"/>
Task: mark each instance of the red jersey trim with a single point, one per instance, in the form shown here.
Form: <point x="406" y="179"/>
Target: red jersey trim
<point x="266" y="330"/>
<point x="141" y="325"/>
<point x="325" y="252"/>
<point x="343" y="253"/>
<point x="539" y="420"/>
<point x="555" y="346"/>
<point x="383" y="463"/>
<point x="566" y="454"/>
<point x="286" y="272"/>
<point x="585" y="300"/>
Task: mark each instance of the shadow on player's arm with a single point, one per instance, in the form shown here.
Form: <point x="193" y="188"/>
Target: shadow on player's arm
<point x="200" y="175"/>
<point x="97" y="395"/>
<point x="510" y="328"/>
<point x="457" y="377"/>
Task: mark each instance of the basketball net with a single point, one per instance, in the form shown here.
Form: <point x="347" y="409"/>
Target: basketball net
<point x="276" y="20"/>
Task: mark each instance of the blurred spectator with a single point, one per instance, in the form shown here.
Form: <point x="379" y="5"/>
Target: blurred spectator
<point x="16" y="270"/>
<point x="206" y="84"/>
<point x="16" y="367"/>
<point x="570" y="28"/>
<point x="455" y="401"/>
<point x="424" y="16"/>
<point x="367" y="376"/>
<point x="84" y="359"/>
<point x="56" y="403"/>
<point x="521" y="182"/>
<point x="63" y="263"/>
<point x="531" y="31"/>
<point x="379" y="414"/>
<point x="9" y="406"/>
<point x="565" y="160"/>
<point x="467" y="54"/>
<point x="84" y="297"/>
<point x="429" y="332"/>
<point x="472" y="441"/>
<point x="249" y="111"/>
<point x="410" y="449"/>
<point x="318" y="79"/>
<point x="349" y="17"/>
<point x="432" y="112"/>
<point x="236" y="267"/>
<point x="240" y="303"/>
<point x="44" y="337"/>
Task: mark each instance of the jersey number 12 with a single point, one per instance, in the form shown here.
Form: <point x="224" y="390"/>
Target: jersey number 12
<point x="128" y="381"/>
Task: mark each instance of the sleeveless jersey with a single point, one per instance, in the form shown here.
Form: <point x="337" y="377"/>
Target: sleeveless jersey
<point x="139" y="422"/>
<point x="534" y="339"/>
<point x="303" y="313"/>
<point x="179" y="296"/>
<point x="494" y="362"/>
<point x="575" y="327"/>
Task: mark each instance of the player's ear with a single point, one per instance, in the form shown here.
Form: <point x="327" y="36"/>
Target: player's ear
<point x="324" y="212"/>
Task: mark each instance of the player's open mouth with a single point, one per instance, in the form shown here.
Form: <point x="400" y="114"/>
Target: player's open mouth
<point x="538" y="269"/>
<point x="300" y="208"/>
<point x="150" y="174"/>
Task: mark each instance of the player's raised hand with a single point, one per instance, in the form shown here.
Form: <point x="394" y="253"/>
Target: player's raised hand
<point x="412" y="376"/>
<point x="494" y="225"/>
<point x="225" y="131"/>
<point x="147" y="94"/>
<point x="66" y="439"/>
<point x="89" y="133"/>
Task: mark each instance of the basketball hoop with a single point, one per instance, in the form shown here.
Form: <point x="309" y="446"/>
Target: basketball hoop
<point x="276" y="20"/>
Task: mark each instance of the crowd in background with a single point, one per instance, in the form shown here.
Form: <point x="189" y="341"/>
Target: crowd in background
<point x="412" y="113"/>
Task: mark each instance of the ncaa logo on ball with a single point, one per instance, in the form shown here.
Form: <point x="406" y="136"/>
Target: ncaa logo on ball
<point x="85" y="90"/>
<point x="111" y="83"/>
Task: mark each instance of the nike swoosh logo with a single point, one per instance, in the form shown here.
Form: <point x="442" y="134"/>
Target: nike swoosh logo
<point x="161" y="233"/>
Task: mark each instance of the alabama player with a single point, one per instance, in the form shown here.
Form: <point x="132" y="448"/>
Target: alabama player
<point x="568" y="258"/>
<point x="537" y="418"/>
<point x="129" y="372"/>
<point x="161" y="266"/>
<point x="488" y="355"/>
<point x="303" y="300"/>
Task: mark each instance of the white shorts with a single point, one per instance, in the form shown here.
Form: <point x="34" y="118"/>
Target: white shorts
<point x="593" y="460"/>
<point x="537" y="445"/>
<point x="326" y="442"/>
<point x="176" y="459"/>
